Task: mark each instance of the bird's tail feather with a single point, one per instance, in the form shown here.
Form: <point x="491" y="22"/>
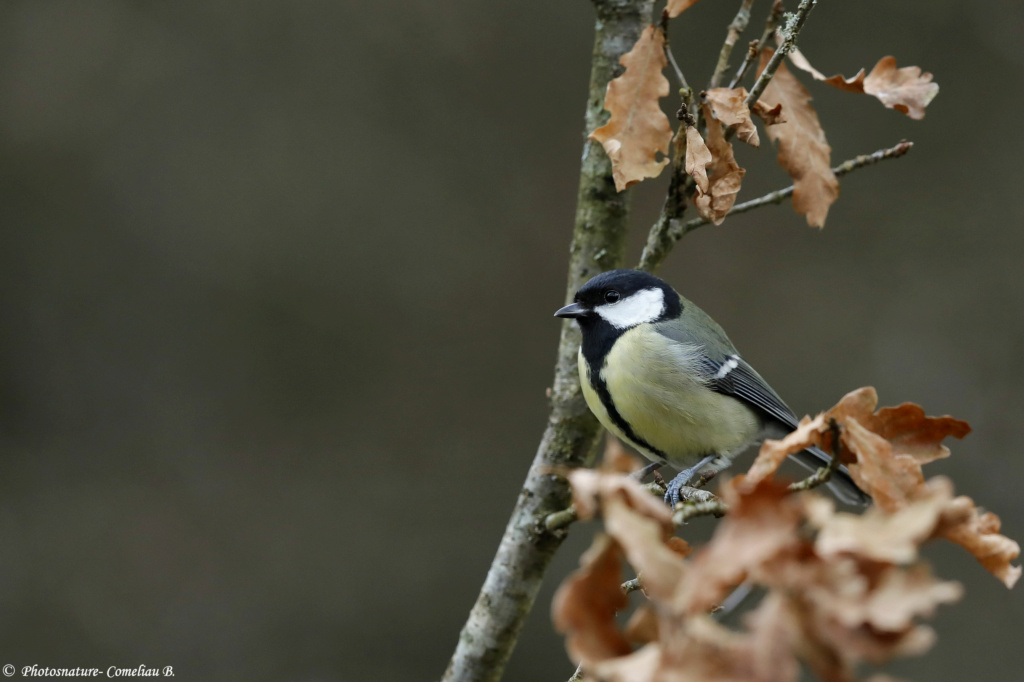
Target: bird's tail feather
<point x="841" y="485"/>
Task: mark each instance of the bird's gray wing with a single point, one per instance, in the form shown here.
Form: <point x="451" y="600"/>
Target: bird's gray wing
<point x="733" y="377"/>
<point x="724" y="371"/>
<point x="727" y="373"/>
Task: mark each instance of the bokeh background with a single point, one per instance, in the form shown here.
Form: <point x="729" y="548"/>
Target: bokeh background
<point x="277" y="282"/>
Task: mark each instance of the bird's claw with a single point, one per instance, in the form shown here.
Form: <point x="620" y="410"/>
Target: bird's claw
<point x="672" y="492"/>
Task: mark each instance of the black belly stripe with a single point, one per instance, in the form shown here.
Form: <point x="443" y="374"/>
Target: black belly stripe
<point x="613" y="413"/>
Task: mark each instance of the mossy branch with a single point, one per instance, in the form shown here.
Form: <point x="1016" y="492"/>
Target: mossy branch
<point x="510" y="589"/>
<point x="794" y="22"/>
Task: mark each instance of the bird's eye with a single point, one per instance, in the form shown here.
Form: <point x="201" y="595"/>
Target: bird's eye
<point x="611" y="296"/>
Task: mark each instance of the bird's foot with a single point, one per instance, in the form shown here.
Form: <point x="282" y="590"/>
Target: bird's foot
<point x="682" y="479"/>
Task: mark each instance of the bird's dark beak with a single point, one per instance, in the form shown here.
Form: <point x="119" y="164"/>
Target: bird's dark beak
<point x="571" y="311"/>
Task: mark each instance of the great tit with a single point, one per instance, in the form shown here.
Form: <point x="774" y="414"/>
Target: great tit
<point x="661" y="375"/>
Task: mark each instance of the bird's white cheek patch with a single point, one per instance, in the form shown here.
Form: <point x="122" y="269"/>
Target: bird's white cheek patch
<point x="645" y="305"/>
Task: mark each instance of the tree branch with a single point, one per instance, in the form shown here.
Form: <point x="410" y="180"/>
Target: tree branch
<point x="692" y="510"/>
<point x="738" y="25"/>
<point x="661" y="236"/>
<point x="794" y="22"/>
<point x="824" y="474"/>
<point x="778" y="196"/>
<point x="771" y="23"/>
<point x="752" y="51"/>
<point x="633" y="585"/>
<point x="492" y="629"/>
<point x="563" y="518"/>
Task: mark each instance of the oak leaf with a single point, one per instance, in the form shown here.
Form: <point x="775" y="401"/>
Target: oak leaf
<point x="854" y="84"/>
<point x="761" y="523"/>
<point x="913" y="433"/>
<point x="641" y="665"/>
<point x="884" y="450"/>
<point x="585" y="604"/>
<point x="677" y="7"/>
<point x="592" y="490"/>
<point x="638" y="129"/>
<point x="616" y="458"/>
<point x="679" y="546"/>
<point x="772" y="626"/>
<point x="697" y="159"/>
<point x="803" y="150"/>
<point x="642" y="626"/>
<point x="700" y="650"/>
<point x="842" y="589"/>
<point x="906" y="89"/>
<point x="978" y="533"/>
<point x="891" y="445"/>
<point x="896" y="598"/>
<point x="726" y="178"/>
<point x="642" y="539"/>
<point x="774" y="452"/>
<point x="770" y="115"/>
<point x="730" y="107"/>
<point x="878" y="535"/>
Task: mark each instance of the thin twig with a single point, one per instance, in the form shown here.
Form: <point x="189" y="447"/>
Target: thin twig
<point x="778" y="196"/>
<point x="560" y="519"/>
<point x="752" y="52"/>
<point x="692" y="510"/>
<point x="563" y="518"/>
<point x="633" y="585"/>
<point x="675" y="67"/>
<point x="738" y="25"/>
<point x="578" y="675"/>
<point x="735" y="599"/>
<point x="771" y="23"/>
<point x="824" y="474"/>
<point x="668" y="51"/>
<point x="667" y="230"/>
<point x="703" y="478"/>
<point x="794" y="22"/>
<point x="689" y="494"/>
<point x="661" y="236"/>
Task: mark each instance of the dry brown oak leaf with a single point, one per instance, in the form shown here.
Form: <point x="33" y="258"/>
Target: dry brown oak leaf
<point x="730" y="107"/>
<point x="677" y="7"/>
<point x="638" y="130"/>
<point x="698" y="156"/>
<point x="884" y="450"/>
<point x="804" y="152"/>
<point x="906" y="89"/>
<point x="726" y="176"/>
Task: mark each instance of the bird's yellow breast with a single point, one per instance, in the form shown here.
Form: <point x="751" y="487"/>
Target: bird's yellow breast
<point x="656" y="388"/>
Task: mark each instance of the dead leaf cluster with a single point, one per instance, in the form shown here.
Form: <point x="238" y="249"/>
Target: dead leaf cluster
<point x="718" y="194"/>
<point x="638" y="133"/>
<point x="842" y="590"/>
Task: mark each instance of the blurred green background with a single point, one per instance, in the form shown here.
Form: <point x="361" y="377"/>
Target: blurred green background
<point x="277" y="283"/>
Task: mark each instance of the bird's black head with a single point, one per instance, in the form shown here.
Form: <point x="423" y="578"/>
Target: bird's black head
<point x="622" y="299"/>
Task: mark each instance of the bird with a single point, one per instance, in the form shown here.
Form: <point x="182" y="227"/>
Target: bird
<point x="663" y="377"/>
